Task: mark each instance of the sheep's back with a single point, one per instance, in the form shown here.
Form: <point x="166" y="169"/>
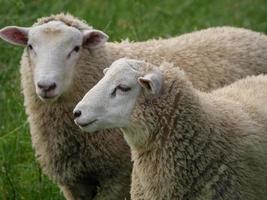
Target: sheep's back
<point x="212" y="58"/>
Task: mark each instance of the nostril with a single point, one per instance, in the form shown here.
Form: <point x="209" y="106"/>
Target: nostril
<point x="77" y="113"/>
<point x="46" y="87"/>
<point x="52" y="86"/>
<point x="40" y="85"/>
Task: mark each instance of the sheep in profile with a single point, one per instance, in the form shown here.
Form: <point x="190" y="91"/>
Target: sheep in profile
<point x="185" y="144"/>
<point x="64" y="57"/>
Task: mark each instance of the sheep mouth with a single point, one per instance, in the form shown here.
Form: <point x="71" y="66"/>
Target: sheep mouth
<point x="45" y="96"/>
<point x="83" y="125"/>
<point x="48" y="97"/>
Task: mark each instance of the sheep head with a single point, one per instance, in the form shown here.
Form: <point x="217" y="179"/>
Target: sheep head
<point x="53" y="49"/>
<point x="113" y="100"/>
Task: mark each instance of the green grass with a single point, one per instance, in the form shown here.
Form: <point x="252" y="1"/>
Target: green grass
<point x="20" y="176"/>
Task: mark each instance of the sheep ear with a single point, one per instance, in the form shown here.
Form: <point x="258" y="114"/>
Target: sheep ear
<point x="15" y="35"/>
<point x="152" y="82"/>
<point x="94" y="38"/>
<point x="105" y="70"/>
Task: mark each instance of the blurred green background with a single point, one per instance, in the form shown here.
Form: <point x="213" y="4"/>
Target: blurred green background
<point x="20" y="176"/>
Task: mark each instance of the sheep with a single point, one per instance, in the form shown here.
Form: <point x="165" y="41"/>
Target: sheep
<point x="185" y="143"/>
<point x="64" y="57"/>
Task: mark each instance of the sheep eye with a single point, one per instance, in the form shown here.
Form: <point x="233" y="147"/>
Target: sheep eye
<point x="113" y="93"/>
<point x="123" y="88"/>
<point x="76" y="49"/>
<point x="30" y="47"/>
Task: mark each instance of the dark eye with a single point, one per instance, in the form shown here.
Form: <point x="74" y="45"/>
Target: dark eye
<point x="30" y="47"/>
<point x="113" y="93"/>
<point x="76" y="49"/>
<point x="122" y="88"/>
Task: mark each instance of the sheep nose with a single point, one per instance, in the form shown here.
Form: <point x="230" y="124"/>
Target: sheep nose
<point x="46" y="87"/>
<point x="77" y="113"/>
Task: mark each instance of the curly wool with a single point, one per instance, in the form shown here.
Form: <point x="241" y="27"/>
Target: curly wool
<point x="66" y="19"/>
<point x="99" y="165"/>
<point x="200" y="145"/>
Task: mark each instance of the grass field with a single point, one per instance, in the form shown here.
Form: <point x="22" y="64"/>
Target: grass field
<point x="20" y="176"/>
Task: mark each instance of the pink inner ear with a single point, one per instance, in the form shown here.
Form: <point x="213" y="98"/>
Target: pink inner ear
<point x="15" y="36"/>
<point x="94" y="39"/>
<point x="145" y="83"/>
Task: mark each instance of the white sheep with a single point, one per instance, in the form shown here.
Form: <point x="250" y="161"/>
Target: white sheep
<point x="64" y="57"/>
<point x="186" y="144"/>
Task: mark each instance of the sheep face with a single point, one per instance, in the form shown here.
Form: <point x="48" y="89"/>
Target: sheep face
<point x="112" y="101"/>
<point x="53" y="49"/>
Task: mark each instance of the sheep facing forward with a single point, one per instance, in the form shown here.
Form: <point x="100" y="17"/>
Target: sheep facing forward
<point x="185" y="144"/>
<point x="65" y="57"/>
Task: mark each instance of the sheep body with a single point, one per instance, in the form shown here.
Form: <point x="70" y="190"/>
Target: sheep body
<point x="84" y="165"/>
<point x="212" y="147"/>
<point x="206" y="145"/>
